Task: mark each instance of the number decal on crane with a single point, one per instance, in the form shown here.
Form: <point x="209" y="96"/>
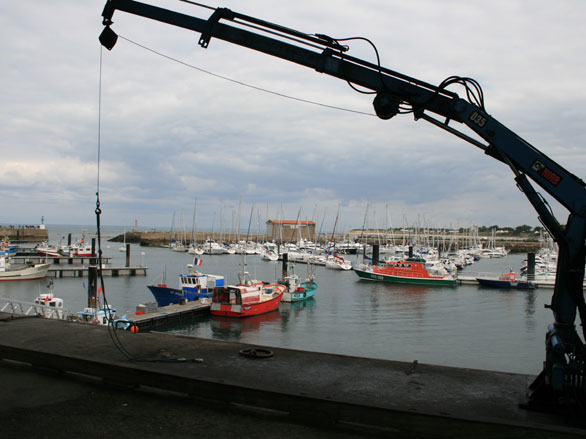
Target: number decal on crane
<point x="478" y="119"/>
<point x="546" y="173"/>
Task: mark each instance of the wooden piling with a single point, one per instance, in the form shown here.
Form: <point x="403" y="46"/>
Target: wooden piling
<point x="92" y="286"/>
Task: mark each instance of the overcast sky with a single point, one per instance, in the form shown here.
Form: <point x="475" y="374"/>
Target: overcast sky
<point x="171" y="134"/>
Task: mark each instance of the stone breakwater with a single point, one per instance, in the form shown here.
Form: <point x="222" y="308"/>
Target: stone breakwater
<point x="24" y="233"/>
<point x="157" y="238"/>
<point x="520" y="246"/>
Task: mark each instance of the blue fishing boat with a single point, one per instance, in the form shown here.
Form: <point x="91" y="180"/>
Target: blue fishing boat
<point x="506" y="280"/>
<point x="192" y="286"/>
<point x="7" y="249"/>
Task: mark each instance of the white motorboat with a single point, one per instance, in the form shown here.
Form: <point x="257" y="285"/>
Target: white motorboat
<point x="336" y="262"/>
<point x="51" y="306"/>
<point x="9" y="272"/>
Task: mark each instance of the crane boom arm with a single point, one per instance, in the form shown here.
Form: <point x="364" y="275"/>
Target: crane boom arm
<point x="326" y="57"/>
<point x="398" y="93"/>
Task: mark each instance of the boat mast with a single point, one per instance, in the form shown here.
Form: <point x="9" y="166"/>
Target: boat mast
<point x="193" y="223"/>
<point x="238" y="221"/>
<point x="249" y="223"/>
<point x="322" y="224"/>
<point x="362" y="234"/>
<point x="173" y="237"/>
<point x="213" y="237"/>
<point x="280" y="219"/>
<point x="183" y="237"/>
<point x="376" y="226"/>
<point x="296" y="225"/>
<point x="314" y="219"/>
<point x="267" y="219"/>
<point x="222" y="210"/>
<point x="333" y="238"/>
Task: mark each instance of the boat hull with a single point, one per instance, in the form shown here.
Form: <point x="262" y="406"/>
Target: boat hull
<point x="380" y="277"/>
<point x="173" y="296"/>
<point x="307" y="292"/>
<point x="499" y="283"/>
<point x="49" y="253"/>
<point x="247" y="310"/>
<point x="192" y="286"/>
<point x="338" y="264"/>
<point x="38" y="271"/>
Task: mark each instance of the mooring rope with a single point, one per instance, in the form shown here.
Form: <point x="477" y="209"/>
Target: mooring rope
<point x="112" y="331"/>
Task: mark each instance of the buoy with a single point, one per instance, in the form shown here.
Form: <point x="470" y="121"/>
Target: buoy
<point x="133" y="328"/>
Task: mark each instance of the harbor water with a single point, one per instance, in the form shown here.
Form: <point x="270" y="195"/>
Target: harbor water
<point x="466" y="326"/>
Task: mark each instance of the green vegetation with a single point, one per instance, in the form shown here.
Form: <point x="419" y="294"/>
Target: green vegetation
<point x="519" y="231"/>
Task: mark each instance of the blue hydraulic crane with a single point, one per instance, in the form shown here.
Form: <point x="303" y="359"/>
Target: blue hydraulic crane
<point x="562" y="382"/>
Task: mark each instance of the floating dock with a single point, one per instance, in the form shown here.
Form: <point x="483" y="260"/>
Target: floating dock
<point x="78" y="266"/>
<point x="389" y="398"/>
<point x="168" y="315"/>
<point x="82" y="271"/>
<point x="471" y="280"/>
<point x="58" y="260"/>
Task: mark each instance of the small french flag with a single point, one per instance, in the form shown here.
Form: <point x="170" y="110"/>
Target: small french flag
<point x="197" y="262"/>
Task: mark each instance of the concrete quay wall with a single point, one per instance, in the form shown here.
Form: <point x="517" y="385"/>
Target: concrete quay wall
<point x="24" y="233"/>
<point x="337" y="392"/>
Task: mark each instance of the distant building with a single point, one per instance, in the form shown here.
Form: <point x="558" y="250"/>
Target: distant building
<point x="290" y="231"/>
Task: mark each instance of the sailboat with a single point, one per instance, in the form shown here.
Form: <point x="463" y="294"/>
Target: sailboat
<point x="333" y="260"/>
<point x="123" y="248"/>
<point x="194" y="248"/>
<point x="180" y="246"/>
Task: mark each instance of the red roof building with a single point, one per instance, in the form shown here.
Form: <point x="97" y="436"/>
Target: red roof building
<point x="290" y="231"/>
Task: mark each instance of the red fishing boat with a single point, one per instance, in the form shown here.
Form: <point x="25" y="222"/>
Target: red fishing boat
<point x="247" y="298"/>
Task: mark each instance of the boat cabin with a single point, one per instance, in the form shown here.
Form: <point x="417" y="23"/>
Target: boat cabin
<point x="413" y="267"/>
<point x="236" y="295"/>
<point x="510" y="276"/>
<point x="52" y="306"/>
